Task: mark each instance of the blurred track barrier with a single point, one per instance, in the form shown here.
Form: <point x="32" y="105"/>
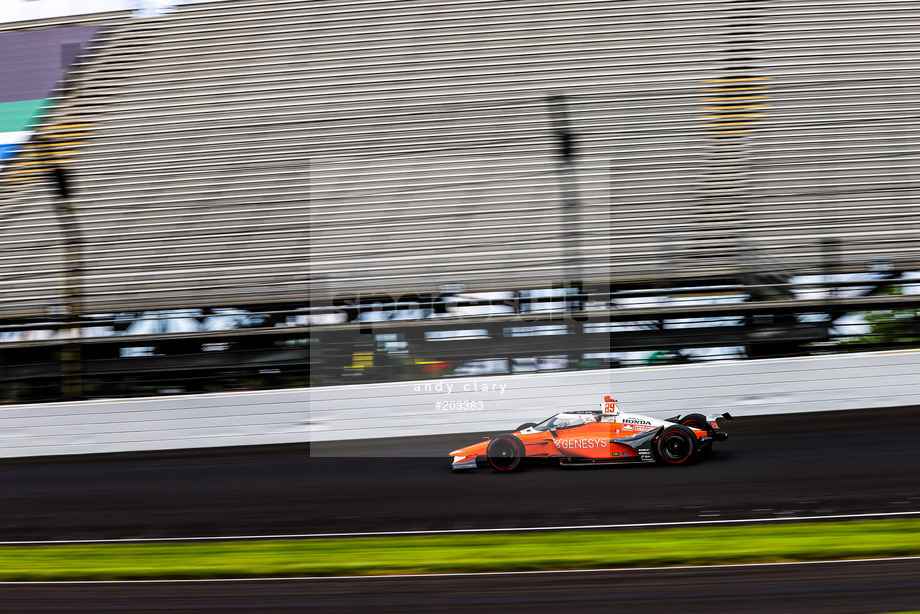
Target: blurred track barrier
<point x="752" y="387"/>
<point x="456" y="405"/>
<point x="147" y="424"/>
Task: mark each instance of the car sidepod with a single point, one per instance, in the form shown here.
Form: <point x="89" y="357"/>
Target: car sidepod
<point x="642" y="443"/>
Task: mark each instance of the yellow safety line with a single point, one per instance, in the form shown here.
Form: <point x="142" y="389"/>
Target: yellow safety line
<point x="733" y="115"/>
<point x="72" y="134"/>
<point x="56" y="144"/>
<point x="733" y="98"/>
<point x="59" y="126"/>
<point x="736" y="108"/>
<point x="723" y="124"/>
<point x="38" y="163"/>
<point x="737" y="89"/>
<point x="69" y="152"/>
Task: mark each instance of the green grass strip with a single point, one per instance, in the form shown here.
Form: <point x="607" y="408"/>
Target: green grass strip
<point x="464" y="553"/>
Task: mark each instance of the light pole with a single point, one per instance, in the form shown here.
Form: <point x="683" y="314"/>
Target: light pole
<point x="71" y="291"/>
<point x="571" y="232"/>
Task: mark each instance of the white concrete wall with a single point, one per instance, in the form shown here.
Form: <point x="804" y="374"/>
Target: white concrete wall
<point x="851" y="381"/>
<point x="867" y="380"/>
<point x="160" y="423"/>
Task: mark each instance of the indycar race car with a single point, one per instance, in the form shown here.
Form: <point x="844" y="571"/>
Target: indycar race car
<point x="599" y="436"/>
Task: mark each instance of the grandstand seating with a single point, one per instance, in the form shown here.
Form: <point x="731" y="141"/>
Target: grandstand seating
<point x="253" y="152"/>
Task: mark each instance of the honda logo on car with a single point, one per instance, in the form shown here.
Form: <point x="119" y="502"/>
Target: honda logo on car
<point x="636" y="421"/>
<point x="584" y="442"/>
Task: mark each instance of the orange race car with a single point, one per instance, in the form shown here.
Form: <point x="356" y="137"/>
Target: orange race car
<point x="598" y="436"/>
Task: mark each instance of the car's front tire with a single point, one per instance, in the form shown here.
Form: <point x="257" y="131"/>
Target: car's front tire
<point x="505" y="452"/>
<point x="676" y="445"/>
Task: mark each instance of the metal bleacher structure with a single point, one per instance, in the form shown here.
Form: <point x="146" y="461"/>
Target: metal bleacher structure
<point x="289" y="157"/>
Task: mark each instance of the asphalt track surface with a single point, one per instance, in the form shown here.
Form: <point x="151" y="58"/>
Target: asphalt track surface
<point x="838" y="588"/>
<point x="800" y="465"/>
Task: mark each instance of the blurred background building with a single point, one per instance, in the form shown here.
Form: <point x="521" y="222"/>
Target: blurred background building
<point x="283" y="193"/>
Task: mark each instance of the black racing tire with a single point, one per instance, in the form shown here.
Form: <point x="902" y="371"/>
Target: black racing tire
<point x="696" y="421"/>
<point x="676" y="445"/>
<point x="505" y="452"/>
<point x="526" y="425"/>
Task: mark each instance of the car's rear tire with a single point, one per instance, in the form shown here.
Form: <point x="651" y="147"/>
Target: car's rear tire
<point x="676" y="445"/>
<point x="526" y="425"/>
<point x="696" y="421"/>
<point x="505" y="452"/>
